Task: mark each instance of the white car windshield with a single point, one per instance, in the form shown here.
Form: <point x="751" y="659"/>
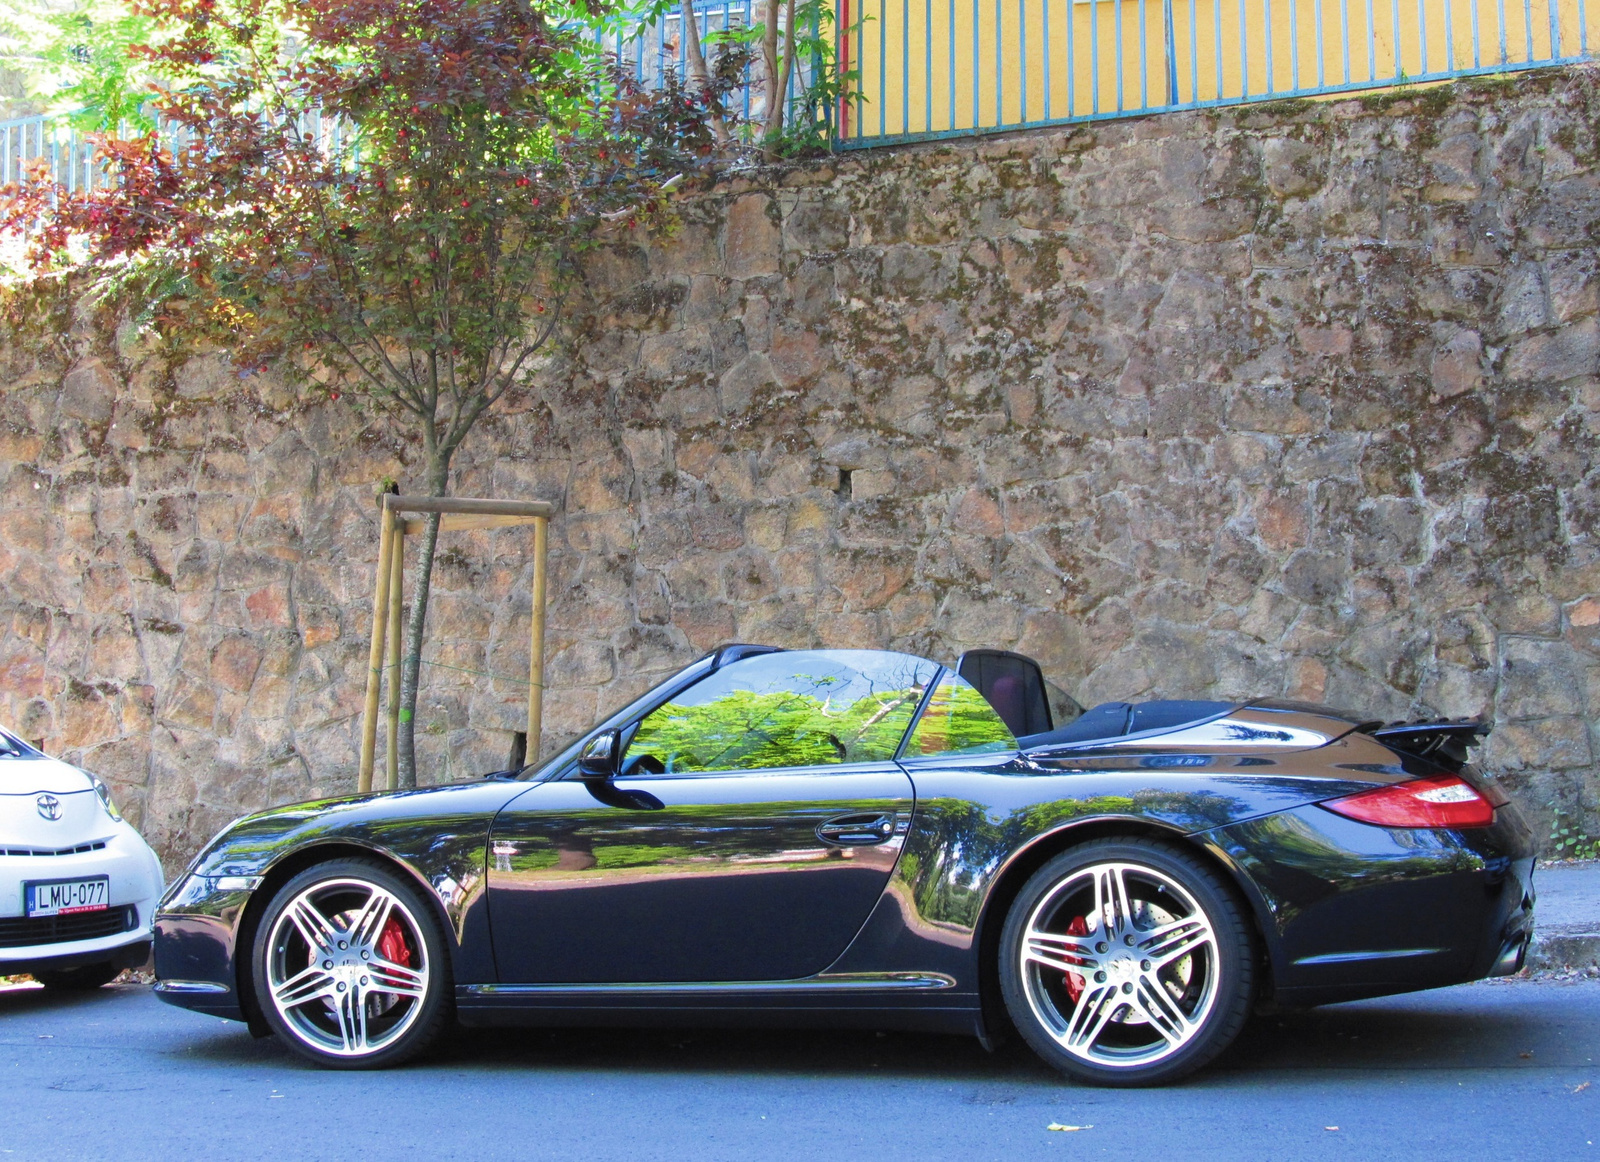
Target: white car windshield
<point x="12" y="747"/>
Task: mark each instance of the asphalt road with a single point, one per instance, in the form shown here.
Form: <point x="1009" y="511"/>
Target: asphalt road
<point x="1481" y="1071"/>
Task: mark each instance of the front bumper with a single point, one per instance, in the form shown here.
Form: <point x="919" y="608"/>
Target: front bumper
<point x="195" y="937"/>
<point x="136" y="882"/>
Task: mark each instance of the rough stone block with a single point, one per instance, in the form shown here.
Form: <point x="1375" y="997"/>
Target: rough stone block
<point x="1292" y="168"/>
<point x="1457" y="361"/>
<point x="1540" y="679"/>
<point x="189" y="702"/>
<point x="89" y="392"/>
<point x="1549" y="744"/>
<point x="746" y="383"/>
<point x="752" y="243"/>
<point x="816" y="226"/>
<point x="1552" y="357"/>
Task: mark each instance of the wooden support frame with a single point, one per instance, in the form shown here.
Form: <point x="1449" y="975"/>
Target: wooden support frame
<point x="456" y="514"/>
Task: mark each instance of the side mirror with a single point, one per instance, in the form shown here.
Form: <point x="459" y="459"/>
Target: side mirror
<point x="600" y="754"/>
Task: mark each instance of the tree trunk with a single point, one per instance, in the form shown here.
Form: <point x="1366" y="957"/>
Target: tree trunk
<point x="411" y="663"/>
<point x="773" y="113"/>
<point x="775" y="124"/>
<point x="695" y="60"/>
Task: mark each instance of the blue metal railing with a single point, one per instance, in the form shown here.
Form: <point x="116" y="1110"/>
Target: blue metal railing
<point x="69" y="157"/>
<point x="1023" y="63"/>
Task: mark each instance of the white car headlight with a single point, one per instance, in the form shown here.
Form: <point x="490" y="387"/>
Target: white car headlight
<point x="104" y="792"/>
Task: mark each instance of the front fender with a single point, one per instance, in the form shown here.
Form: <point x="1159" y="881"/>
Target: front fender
<point x="437" y="836"/>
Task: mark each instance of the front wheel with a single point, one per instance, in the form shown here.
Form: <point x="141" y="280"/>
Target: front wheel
<point x="1127" y="962"/>
<point x="350" y="967"/>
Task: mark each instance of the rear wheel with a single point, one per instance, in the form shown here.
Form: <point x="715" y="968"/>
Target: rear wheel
<point x="1127" y="962"/>
<point x="91" y="976"/>
<point x="350" y="966"/>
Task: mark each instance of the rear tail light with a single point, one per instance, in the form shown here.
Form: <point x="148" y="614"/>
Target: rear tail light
<point x="1440" y="801"/>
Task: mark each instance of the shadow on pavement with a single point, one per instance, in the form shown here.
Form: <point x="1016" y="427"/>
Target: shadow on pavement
<point x="32" y="999"/>
<point x="770" y="1052"/>
<point x="1522" y="1028"/>
<point x="773" y="1052"/>
<point x="1394" y="1035"/>
<point x="1526" y="1027"/>
<point x="1369" y="1036"/>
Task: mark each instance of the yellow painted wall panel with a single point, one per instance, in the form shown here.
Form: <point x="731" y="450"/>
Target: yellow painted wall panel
<point x="951" y="65"/>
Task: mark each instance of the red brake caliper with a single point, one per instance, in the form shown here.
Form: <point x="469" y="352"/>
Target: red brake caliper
<point x="392" y="945"/>
<point x="1078" y="927"/>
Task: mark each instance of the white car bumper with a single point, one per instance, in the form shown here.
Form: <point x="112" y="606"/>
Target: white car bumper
<point x="120" y="935"/>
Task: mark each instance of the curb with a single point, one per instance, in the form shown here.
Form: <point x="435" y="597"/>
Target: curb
<point x="1552" y="951"/>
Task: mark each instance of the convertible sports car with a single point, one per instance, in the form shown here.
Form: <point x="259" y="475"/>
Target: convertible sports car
<point x="861" y="837"/>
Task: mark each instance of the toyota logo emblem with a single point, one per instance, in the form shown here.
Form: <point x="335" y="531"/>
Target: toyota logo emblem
<point x="49" y="807"/>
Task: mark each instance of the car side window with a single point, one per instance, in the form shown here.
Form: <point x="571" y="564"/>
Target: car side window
<point x="957" y="721"/>
<point x="797" y="708"/>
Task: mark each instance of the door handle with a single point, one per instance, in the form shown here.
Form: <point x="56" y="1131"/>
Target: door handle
<point x="860" y="830"/>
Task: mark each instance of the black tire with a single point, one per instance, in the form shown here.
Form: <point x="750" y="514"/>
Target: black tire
<point x="1135" y="1034"/>
<point x="85" y="979"/>
<point x="325" y="1027"/>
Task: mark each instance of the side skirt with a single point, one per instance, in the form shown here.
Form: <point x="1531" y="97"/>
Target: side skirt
<point x="925" y="1002"/>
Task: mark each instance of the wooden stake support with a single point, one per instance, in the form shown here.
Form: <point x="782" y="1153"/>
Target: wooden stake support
<point x="457" y="513"/>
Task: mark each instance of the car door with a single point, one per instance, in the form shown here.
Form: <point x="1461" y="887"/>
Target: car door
<point x="754" y="825"/>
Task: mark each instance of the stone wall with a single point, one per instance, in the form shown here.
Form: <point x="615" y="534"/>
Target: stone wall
<point x="1296" y="400"/>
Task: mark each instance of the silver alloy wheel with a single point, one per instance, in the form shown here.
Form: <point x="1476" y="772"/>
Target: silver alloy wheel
<point x="1136" y="980"/>
<point x="327" y="974"/>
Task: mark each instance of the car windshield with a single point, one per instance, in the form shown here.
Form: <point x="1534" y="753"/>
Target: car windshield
<point x="797" y="708"/>
<point x="538" y="770"/>
<point x="12" y="747"/>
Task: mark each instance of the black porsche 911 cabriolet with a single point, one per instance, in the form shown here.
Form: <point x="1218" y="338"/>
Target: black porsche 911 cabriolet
<point x="862" y="837"/>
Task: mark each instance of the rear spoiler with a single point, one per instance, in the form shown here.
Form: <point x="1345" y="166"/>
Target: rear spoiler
<point x="1445" y="740"/>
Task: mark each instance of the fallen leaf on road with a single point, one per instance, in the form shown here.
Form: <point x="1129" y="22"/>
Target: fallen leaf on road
<point x="1067" y="1129"/>
<point x="1581" y="1088"/>
<point x="1524" y="1056"/>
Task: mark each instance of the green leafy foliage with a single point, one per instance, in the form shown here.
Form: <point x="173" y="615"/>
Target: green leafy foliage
<point x="1569" y="840"/>
<point x="71" y="58"/>
<point x="383" y="196"/>
<point x="94" y="73"/>
<point x="386" y="198"/>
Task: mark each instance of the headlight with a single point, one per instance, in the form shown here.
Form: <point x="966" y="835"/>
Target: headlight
<point x="104" y="792"/>
<point x="187" y="891"/>
<point x="192" y="889"/>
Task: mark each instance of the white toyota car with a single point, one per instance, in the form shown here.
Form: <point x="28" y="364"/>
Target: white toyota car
<point x="78" y="886"/>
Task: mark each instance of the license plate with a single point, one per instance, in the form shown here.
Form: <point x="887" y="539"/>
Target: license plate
<point x="64" y="897"/>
